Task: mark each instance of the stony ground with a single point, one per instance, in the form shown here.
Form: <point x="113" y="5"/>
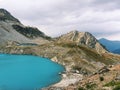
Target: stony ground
<point x="107" y="78"/>
<point x="69" y="79"/>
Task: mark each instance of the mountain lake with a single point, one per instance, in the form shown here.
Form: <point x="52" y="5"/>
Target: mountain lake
<point x="26" y="72"/>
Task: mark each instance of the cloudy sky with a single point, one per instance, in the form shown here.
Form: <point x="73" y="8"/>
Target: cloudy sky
<point x="56" y="17"/>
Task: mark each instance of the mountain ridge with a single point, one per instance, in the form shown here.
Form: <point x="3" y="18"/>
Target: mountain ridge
<point x="82" y="38"/>
<point x="117" y="51"/>
<point x="5" y="15"/>
<point x="110" y="45"/>
<point x="11" y="29"/>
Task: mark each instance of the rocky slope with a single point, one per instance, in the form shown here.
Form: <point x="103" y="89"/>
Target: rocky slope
<point x="83" y="38"/>
<point x="11" y="29"/>
<point x="81" y="58"/>
<point x="6" y="16"/>
<point x="107" y="78"/>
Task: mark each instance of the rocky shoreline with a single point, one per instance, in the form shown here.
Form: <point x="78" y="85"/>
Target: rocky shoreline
<point x="107" y="78"/>
<point x="68" y="79"/>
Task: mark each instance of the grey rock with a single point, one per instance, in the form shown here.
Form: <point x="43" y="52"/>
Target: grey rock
<point x="82" y="38"/>
<point x="11" y="29"/>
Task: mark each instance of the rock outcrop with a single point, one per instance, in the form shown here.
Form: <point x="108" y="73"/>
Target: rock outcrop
<point x="11" y="29"/>
<point x="6" y="16"/>
<point x="82" y="38"/>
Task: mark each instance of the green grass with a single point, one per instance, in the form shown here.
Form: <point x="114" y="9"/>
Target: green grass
<point x="117" y="87"/>
<point x="112" y="83"/>
<point x="81" y="88"/>
<point x="115" y="84"/>
<point x="90" y="86"/>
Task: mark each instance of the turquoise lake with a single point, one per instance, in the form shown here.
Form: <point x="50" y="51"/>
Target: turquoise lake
<point x="25" y="72"/>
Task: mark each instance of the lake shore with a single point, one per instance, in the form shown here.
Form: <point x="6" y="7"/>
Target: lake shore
<point x="68" y="79"/>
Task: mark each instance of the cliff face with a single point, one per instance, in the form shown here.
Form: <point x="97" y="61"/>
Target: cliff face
<point x="83" y="38"/>
<point x="11" y="29"/>
<point x="6" y="16"/>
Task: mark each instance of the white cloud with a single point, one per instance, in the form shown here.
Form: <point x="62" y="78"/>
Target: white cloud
<point x="113" y="36"/>
<point x="55" y="17"/>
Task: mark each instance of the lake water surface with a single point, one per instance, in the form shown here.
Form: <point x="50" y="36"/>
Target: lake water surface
<point x="25" y="72"/>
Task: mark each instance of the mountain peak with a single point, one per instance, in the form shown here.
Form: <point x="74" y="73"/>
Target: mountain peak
<point x="75" y="32"/>
<point x="5" y="15"/>
<point x="87" y="33"/>
<point x="103" y="39"/>
<point x="12" y="30"/>
<point x="82" y="38"/>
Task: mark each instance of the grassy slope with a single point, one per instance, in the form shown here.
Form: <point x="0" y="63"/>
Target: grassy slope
<point x="68" y="54"/>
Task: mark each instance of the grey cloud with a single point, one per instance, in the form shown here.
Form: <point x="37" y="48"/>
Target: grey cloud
<point x="106" y="1"/>
<point x="55" y="17"/>
<point x="106" y="5"/>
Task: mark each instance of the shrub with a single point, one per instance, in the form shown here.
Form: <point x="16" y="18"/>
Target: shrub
<point x="90" y="86"/>
<point x="81" y="88"/>
<point x="112" y="83"/>
<point x="117" y="87"/>
<point x="101" y="78"/>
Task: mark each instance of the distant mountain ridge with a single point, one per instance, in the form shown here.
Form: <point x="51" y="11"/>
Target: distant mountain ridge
<point x="112" y="46"/>
<point x="117" y="51"/>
